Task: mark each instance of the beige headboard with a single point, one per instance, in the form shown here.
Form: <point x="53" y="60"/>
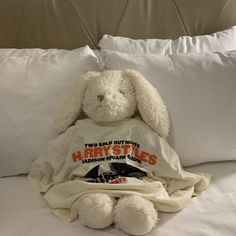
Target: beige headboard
<point x="73" y="23"/>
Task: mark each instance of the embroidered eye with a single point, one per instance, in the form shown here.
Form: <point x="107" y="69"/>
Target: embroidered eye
<point x="100" y="98"/>
<point x="121" y="91"/>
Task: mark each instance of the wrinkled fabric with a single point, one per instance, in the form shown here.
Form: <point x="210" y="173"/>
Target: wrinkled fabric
<point x="32" y="83"/>
<point x="199" y="90"/>
<point x="119" y="159"/>
<point x="220" y="41"/>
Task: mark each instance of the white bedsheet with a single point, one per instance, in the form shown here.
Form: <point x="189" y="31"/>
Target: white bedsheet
<point x="24" y="212"/>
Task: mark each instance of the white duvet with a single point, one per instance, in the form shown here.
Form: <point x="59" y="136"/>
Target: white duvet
<point x="118" y="158"/>
<point x="23" y="212"/>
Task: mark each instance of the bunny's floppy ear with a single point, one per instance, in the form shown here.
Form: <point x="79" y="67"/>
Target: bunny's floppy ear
<point x="150" y="104"/>
<point x="71" y="108"/>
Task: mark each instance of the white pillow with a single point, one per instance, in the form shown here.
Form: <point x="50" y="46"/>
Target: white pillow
<point x="200" y="92"/>
<point x="32" y="82"/>
<point x="220" y="41"/>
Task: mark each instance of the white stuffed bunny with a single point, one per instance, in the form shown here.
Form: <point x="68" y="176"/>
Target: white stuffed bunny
<point x="113" y="167"/>
<point x="112" y="96"/>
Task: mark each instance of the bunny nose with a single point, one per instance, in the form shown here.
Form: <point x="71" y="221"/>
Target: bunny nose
<point x="100" y="97"/>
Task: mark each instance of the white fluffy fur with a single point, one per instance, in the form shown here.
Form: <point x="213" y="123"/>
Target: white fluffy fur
<point x="135" y="215"/>
<point x="107" y="97"/>
<point x="150" y="103"/>
<point x="112" y="96"/>
<point x="96" y="210"/>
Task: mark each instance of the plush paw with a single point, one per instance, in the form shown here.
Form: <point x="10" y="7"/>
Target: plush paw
<point x="96" y="210"/>
<point x="135" y="215"/>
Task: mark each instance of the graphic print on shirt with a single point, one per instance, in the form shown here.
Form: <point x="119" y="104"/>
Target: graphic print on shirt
<point x="112" y="161"/>
<point x="116" y="174"/>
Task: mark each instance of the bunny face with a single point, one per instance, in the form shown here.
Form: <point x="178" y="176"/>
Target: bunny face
<point x="112" y="96"/>
<point x="109" y="97"/>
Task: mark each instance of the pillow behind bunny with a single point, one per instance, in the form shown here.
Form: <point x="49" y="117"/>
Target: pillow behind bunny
<point x="113" y="166"/>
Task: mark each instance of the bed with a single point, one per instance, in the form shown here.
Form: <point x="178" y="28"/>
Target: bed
<point x="24" y="212"/>
<point x="46" y="38"/>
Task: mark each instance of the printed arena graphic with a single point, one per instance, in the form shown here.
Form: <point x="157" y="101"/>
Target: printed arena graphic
<point x="112" y="161"/>
<point x="117" y="173"/>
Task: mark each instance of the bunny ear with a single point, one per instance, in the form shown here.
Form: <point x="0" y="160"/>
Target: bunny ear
<point x="71" y="107"/>
<point x="150" y="104"/>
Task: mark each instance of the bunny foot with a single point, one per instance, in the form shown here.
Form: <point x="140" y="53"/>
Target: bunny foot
<point x="96" y="210"/>
<point x="135" y="215"/>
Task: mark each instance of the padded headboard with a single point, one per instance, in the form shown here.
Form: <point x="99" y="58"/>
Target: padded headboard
<point x="70" y="24"/>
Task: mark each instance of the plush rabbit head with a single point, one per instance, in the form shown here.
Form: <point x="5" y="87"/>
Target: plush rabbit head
<point x="113" y="96"/>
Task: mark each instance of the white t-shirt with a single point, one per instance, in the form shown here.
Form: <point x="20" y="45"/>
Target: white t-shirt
<point x="119" y="158"/>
